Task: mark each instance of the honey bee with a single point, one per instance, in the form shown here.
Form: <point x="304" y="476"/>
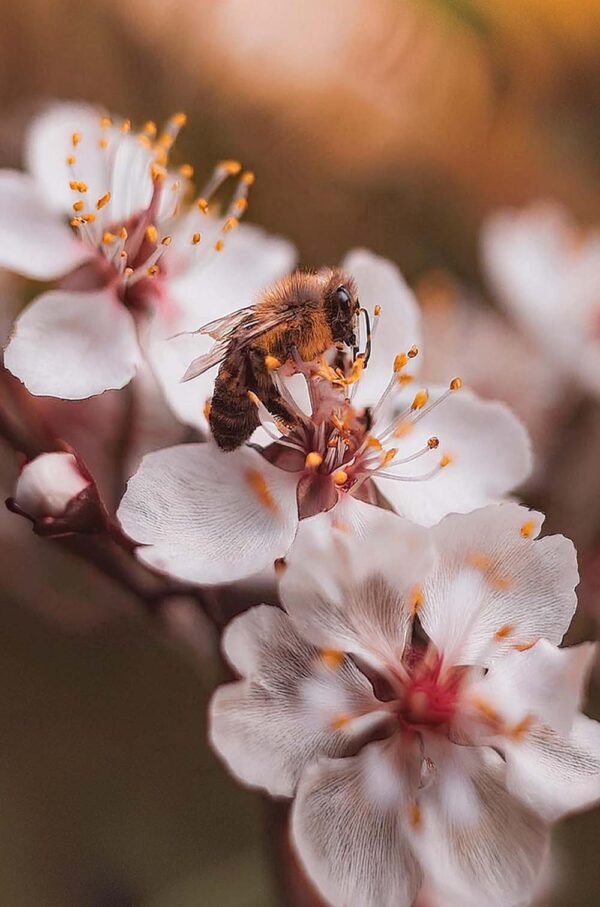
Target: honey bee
<point x="302" y="315"/>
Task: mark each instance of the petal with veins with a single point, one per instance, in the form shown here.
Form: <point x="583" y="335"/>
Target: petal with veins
<point x="379" y="282"/>
<point x="73" y="345"/>
<point x="351" y="838"/>
<point x="34" y="241"/>
<point x="207" y="516"/>
<point x="293" y="706"/>
<point x="493" y="860"/>
<point x="495" y="586"/>
<point x="489" y="454"/>
<point x="365" y="564"/>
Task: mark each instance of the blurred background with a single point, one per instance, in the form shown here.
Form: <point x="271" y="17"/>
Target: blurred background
<point x="393" y="125"/>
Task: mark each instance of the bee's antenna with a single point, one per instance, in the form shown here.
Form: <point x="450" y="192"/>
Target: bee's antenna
<point x="369" y="336"/>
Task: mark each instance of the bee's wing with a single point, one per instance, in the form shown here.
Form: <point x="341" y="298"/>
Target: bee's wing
<point x="223" y="331"/>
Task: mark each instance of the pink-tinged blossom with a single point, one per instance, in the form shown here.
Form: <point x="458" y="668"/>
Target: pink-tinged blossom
<point x="208" y="516"/>
<point x="101" y="214"/>
<point x="412" y="699"/>
<point x="545" y="270"/>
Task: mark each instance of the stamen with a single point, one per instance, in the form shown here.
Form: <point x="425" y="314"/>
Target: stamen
<point x="340" y="477"/>
<point x="313" y="460"/>
<point x="420" y="399"/>
<point x="103" y="200"/>
<point x="105" y="122"/>
<point x="196" y="237"/>
<point x="78" y="186"/>
<point x="151" y="233"/>
<point x="75" y="139"/>
<point x="219" y="245"/>
<point x="70" y="159"/>
<point x="77" y="206"/>
<point x="187" y="171"/>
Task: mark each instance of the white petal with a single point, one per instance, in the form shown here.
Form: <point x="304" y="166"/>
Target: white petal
<point x="131" y="185"/>
<point x="495" y="586"/>
<point x="48" y="483"/>
<point x="73" y="345"/>
<point x="365" y="563"/>
<point x="34" y="241"/>
<point x="494" y="860"/>
<point x="489" y="456"/>
<point x="250" y="262"/>
<point x="208" y="516"/>
<point x="352" y="844"/>
<point x="292" y="708"/>
<point x="545" y="682"/>
<point x="49" y="143"/>
<point x="555" y="775"/>
<point x="380" y="283"/>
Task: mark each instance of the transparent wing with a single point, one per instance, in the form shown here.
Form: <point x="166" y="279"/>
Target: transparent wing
<point x="198" y="366"/>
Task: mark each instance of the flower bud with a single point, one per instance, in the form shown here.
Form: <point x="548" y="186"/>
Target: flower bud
<point x="48" y="484"/>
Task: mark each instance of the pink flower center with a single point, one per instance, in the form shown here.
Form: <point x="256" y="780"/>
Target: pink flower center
<point x="429" y="693"/>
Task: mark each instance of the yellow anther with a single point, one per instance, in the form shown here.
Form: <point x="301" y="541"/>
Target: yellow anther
<point x="523" y="646"/>
<point x="400" y="361"/>
<point x="144" y="140"/>
<point x="105" y="122"/>
<point x="151" y="233"/>
<point x="77" y="206"/>
<point x="340" y="721"/>
<point x="219" y="245"/>
<point x="107" y="238"/>
<point x="259" y="486"/>
<point x="416" y="599"/>
<point x="203" y="205"/>
<point x="421" y="398"/>
<point x="207" y="409"/>
<point x="377" y="311"/>
<point x="71" y="159"/>
<point x="123" y="234"/>
<point x="433" y="443"/>
<point x="175" y="186"/>
<point x="456" y="384"/>
<point x="405" y="378"/>
<point x="230" y="167"/>
<point x="153" y="270"/>
<point x="187" y="171"/>
<point x="157" y="172"/>
<point x="76" y="221"/>
<point x="75" y="139"/>
<point x="521" y="728"/>
<point x="196" y="239"/>
<point x="313" y="460"/>
<point x="241" y="204"/>
<point x="403" y="429"/>
<point x="150" y="128"/>
<point x="340" y="477"/>
<point x="503" y="632"/>
<point x="88" y="218"/>
<point x="248" y="178"/>
<point x="161" y="155"/>
<point x="413" y="351"/>
<point x="179" y="119"/>
<point x="126" y="126"/>
<point x="230" y="224"/>
<point x="128" y="272"/>
<point x="415" y="816"/>
<point x="445" y="461"/>
<point x="103" y="200"/>
<point x="78" y="186"/>
<point x="527" y="529"/>
<point x="166" y="241"/>
<point x="333" y="658"/>
<point x="272" y="362"/>
<point x="373" y="442"/>
<point x="103" y="142"/>
<point x="388" y="456"/>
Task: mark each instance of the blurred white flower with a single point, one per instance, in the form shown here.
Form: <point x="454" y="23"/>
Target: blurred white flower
<point x="48" y="484"/>
<point x="546" y="271"/>
<point x="207" y="516"/>
<point x="411" y="696"/>
<point x="100" y="213"/>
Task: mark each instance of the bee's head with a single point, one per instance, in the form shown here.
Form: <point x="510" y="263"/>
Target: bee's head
<point x="341" y="306"/>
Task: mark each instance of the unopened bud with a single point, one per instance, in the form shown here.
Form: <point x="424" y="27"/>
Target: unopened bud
<point x="48" y="484"/>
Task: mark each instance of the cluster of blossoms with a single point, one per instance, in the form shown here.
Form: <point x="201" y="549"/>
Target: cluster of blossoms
<point x="409" y="694"/>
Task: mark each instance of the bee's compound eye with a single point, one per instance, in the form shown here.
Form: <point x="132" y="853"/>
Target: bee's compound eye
<point x="343" y="296"/>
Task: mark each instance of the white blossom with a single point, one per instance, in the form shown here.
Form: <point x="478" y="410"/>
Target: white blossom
<point x="101" y="214"/>
<point x="209" y="516"/>
<point x="412" y="699"/>
<point x="48" y="484"/>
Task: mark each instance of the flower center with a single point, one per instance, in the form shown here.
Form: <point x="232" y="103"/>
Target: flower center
<point x="429" y="693"/>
